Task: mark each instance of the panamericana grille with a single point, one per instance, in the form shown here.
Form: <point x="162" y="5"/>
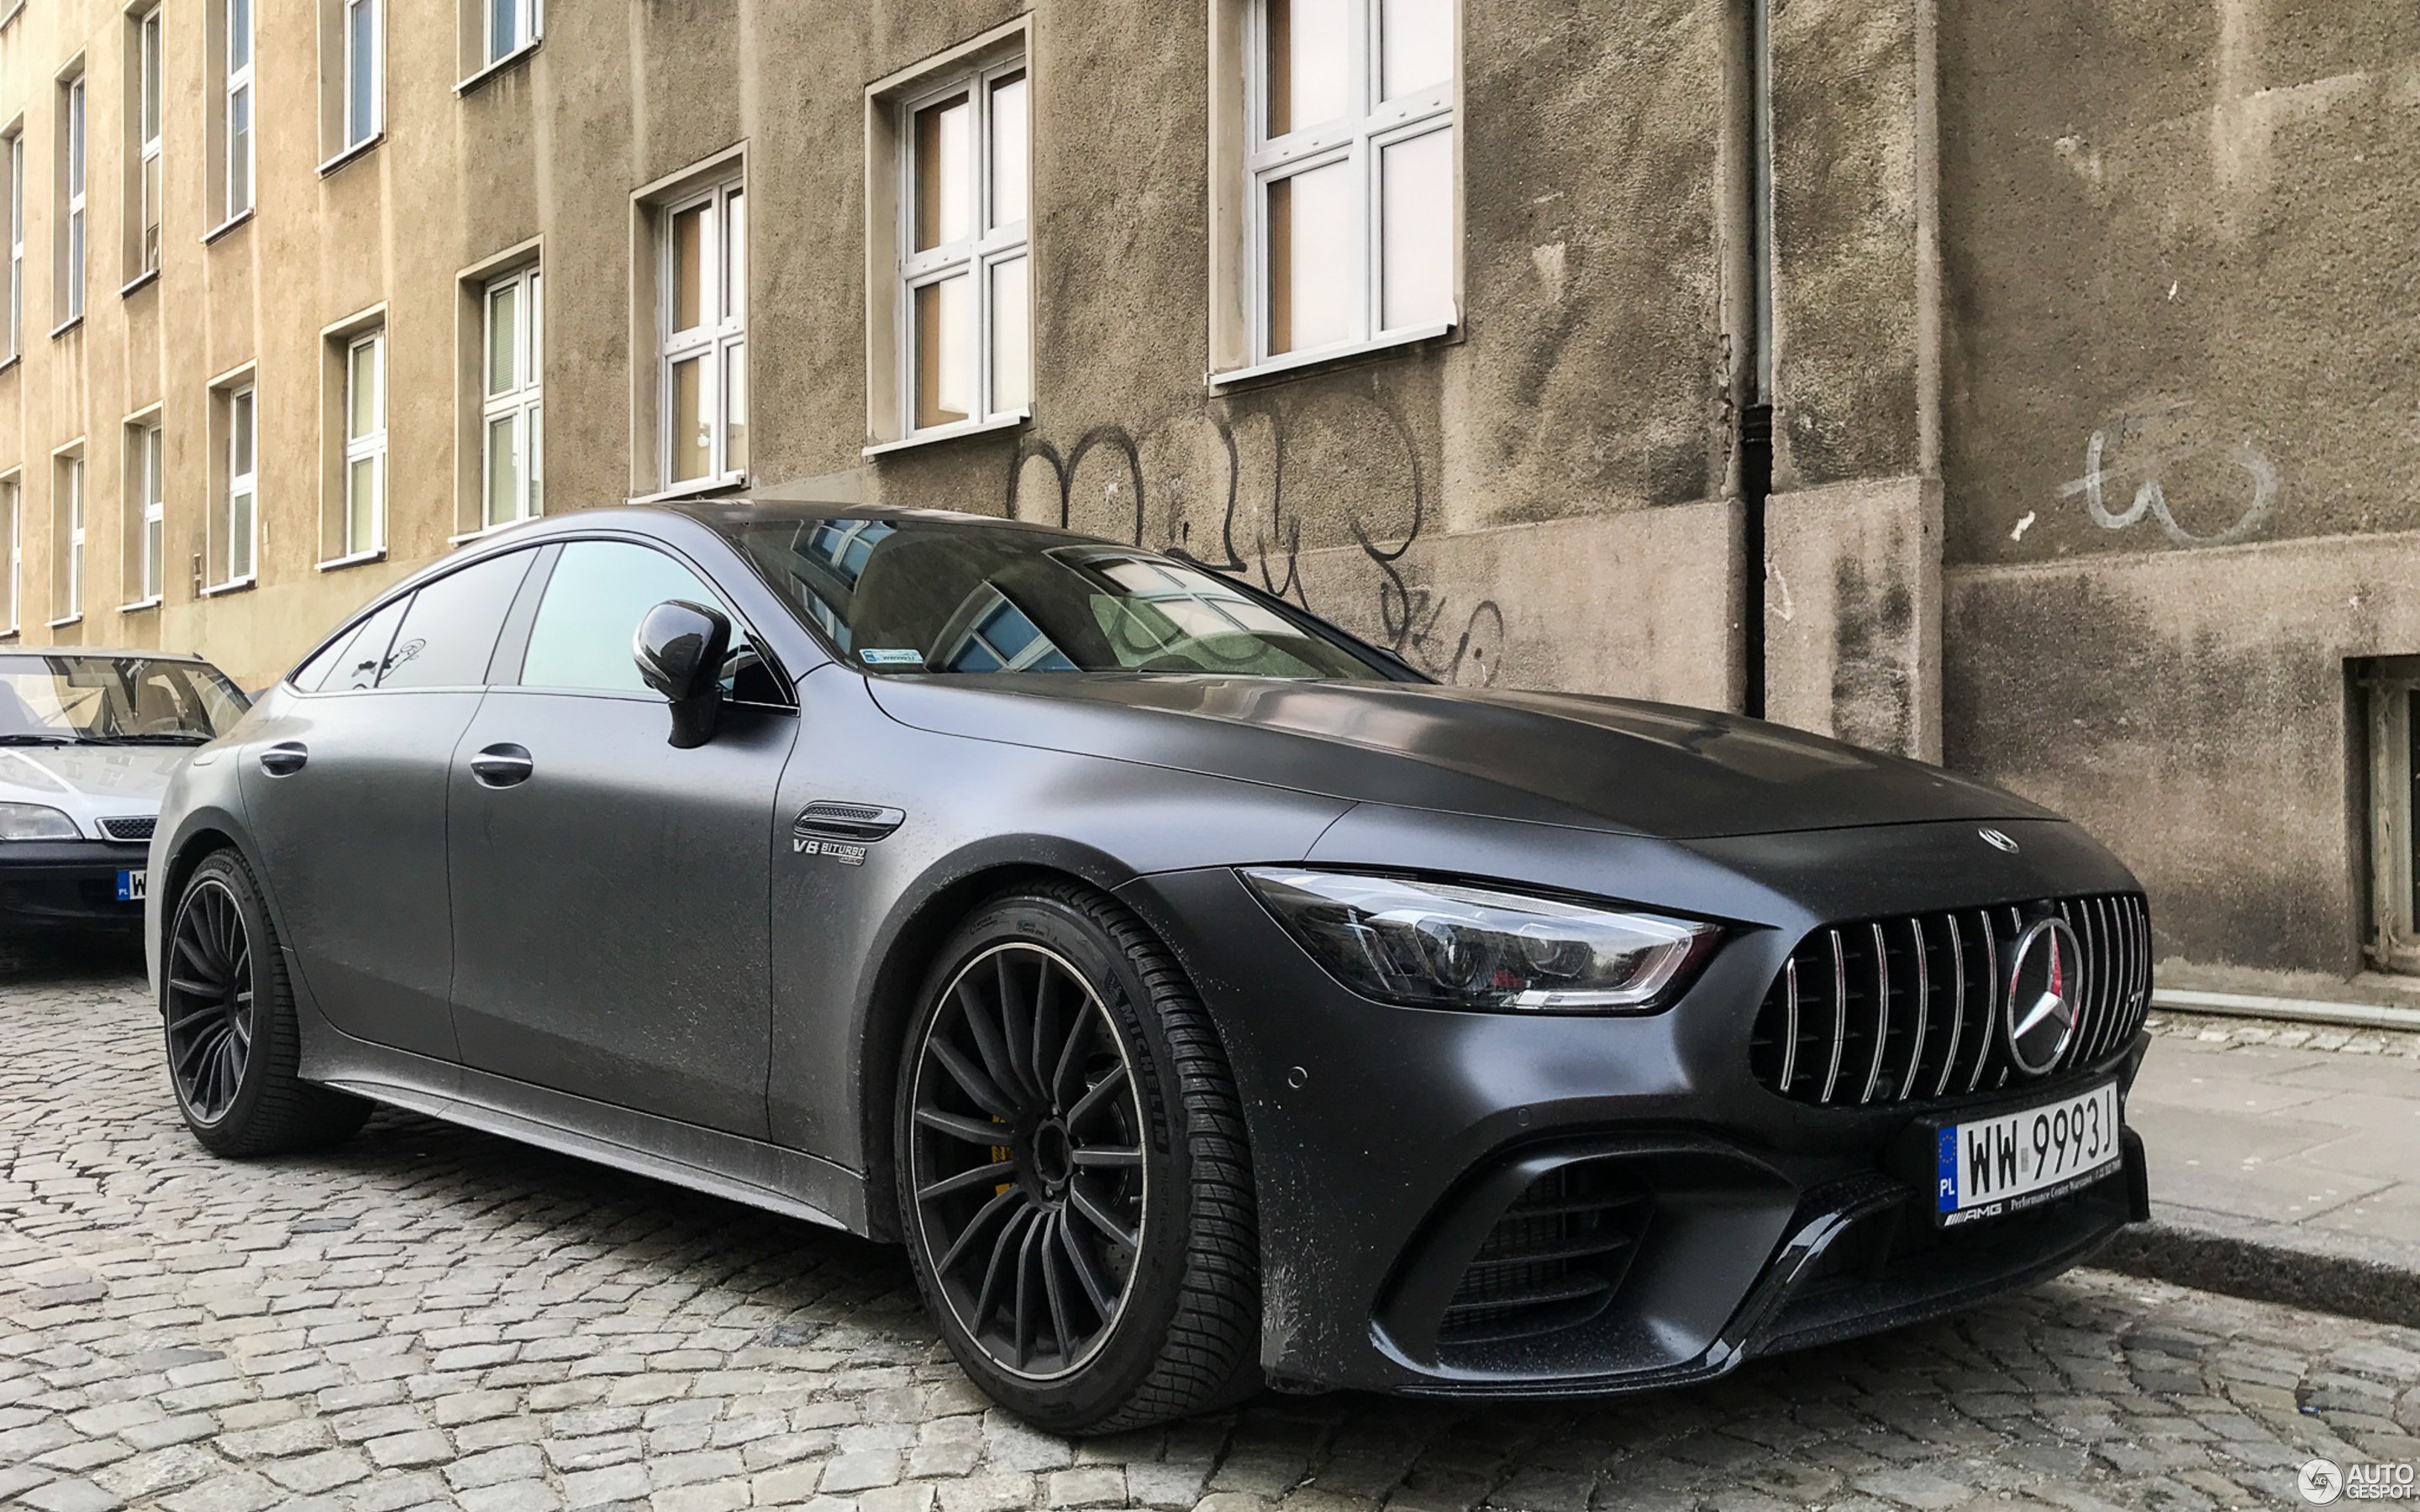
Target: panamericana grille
<point x="1553" y="1261"/>
<point x="137" y="827"/>
<point x="1909" y="1009"/>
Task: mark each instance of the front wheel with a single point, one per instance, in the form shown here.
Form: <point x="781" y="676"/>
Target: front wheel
<point x="1074" y="1180"/>
<point x="233" y="1046"/>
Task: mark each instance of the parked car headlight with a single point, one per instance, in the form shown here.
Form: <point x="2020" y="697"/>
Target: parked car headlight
<point x="31" y="821"/>
<point x="1436" y="945"/>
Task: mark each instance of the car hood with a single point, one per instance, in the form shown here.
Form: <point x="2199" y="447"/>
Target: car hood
<point x="90" y="782"/>
<point x="1555" y="758"/>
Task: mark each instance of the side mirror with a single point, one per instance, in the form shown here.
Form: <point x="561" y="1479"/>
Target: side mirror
<point x="680" y="647"/>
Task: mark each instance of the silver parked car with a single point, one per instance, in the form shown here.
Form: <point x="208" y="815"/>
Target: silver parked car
<point x="87" y="742"/>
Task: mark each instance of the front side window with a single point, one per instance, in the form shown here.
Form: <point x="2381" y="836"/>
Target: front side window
<point x="76" y="700"/>
<point x="965" y="287"/>
<point x="513" y="404"/>
<point x="1353" y="210"/>
<point x="703" y="376"/>
<point x="364" y="443"/>
<point x="597" y="595"/>
<point x="906" y="595"/>
<point x="239" y="508"/>
<point x="236" y="110"/>
<point x="146" y="155"/>
<point x="364" y="71"/>
<point x="351" y="663"/>
<point x="71" y="201"/>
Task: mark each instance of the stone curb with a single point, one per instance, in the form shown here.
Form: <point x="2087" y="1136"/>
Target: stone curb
<point x="2326" y="1271"/>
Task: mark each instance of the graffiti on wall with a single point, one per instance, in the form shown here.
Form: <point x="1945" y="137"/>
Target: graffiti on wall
<point x="1223" y="488"/>
<point x="2148" y="450"/>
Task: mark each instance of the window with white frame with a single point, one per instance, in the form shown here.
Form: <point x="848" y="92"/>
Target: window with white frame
<point x="1351" y="215"/>
<point x="148" y="464"/>
<point x="365" y="405"/>
<point x="512" y="411"/>
<point x="12" y="536"/>
<point x="72" y="219"/>
<point x="143" y="120"/>
<point x="506" y="26"/>
<point x="68" y="489"/>
<point x="352" y="73"/>
<point x="701" y="373"/>
<point x="235" y="108"/>
<point x="17" y="243"/>
<point x="236" y="511"/>
<point x="965" y="287"/>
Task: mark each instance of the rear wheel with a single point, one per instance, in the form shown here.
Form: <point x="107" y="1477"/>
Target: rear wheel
<point x="233" y="1046"/>
<point x="1073" y="1176"/>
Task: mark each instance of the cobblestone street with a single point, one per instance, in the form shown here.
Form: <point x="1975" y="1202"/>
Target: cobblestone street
<point x="431" y="1317"/>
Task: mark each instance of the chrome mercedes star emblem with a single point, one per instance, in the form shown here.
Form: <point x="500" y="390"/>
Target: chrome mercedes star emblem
<point x="2045" y="982"/>
<point x="1998" y="841"/>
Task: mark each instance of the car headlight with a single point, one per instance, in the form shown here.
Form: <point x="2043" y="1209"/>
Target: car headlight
<point x="1436" y="945"/>
<point x="31" y="821"/>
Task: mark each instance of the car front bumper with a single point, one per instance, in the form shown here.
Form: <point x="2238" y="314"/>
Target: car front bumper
<point x="66" y="885"/>
<point x="1403" y="1154"/>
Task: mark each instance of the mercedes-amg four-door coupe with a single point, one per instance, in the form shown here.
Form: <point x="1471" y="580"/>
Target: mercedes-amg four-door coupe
<point x="1206" y="999"/>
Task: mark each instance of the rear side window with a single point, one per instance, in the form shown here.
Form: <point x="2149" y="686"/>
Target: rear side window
<point x="585" y="626"/>
<point x="450" y="630"/>
<point x="353" y="663"/>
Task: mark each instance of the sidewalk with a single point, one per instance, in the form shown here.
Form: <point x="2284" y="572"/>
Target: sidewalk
<point x="2285" y="1164"/>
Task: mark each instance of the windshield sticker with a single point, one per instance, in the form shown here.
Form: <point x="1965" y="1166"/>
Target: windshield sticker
<point x="882" y="657"/>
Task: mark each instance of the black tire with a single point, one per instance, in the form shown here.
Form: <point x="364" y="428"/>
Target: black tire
<point x="1182" y="1336"/>
<point x="227" y="1018"/>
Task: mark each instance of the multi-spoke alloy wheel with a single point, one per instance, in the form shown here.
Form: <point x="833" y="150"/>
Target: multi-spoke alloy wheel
<point x="235" y="1049"/>
<point x="1073" y="1173"/>
<point x="210" y="1000"/>
<point x="1027" y="1159"/>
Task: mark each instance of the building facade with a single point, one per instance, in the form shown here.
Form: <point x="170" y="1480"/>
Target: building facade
<point x="2025" y="387"/>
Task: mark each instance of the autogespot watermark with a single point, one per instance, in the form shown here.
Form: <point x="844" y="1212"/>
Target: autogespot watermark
<point x="2323" y="1481"/>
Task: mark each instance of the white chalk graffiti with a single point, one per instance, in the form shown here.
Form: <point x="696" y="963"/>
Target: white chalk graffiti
<point x="2149" y="498"/>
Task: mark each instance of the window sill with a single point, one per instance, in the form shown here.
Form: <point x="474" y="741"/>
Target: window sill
<point x="692" y="490"/>
<point x="138" y="282"/>
<point x="950" y="433"/>
<point x="358" y="149"/>
<point x="233" y="585"/>
<point x="65" y="326"/>
<point x="486" y="530"/>
<point x="1295" y="362"/>
<point x="357" y="558"/>
<point x="62" y="622"/>
<point x="501" y="65"/>
<point x="228" y="225"/>
<point x="8" y="365"/>
<point x="140" y="605"/>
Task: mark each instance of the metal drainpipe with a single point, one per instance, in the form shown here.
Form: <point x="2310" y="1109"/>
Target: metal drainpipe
<point x="1755" y="416"/>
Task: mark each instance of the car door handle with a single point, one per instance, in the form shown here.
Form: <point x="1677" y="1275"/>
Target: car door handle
<point x="285" y="759"/>
<point x="502" y="766"/>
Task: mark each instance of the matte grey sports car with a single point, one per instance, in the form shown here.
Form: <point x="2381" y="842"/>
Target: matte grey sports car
<point x="1205" y="997"/>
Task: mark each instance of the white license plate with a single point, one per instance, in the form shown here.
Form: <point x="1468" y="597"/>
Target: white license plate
<point x="129" y="886"/>
<point x="2012" y="1161"/>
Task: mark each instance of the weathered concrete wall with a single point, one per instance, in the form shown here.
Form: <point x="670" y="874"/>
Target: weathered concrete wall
<point x="2181" y="321"/>
<point x="1853" y="613"/>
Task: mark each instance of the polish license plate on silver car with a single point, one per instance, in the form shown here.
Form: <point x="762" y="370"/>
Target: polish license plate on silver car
<point x="129" y="886"/>
<point x="2015" y="1160"/>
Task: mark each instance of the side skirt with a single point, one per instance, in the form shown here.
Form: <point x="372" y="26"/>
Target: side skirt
<point x="781" y="1181"/>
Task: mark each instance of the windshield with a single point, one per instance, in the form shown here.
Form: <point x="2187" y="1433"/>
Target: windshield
<point x="940" y="595"/>
<point x="72" y="699"/>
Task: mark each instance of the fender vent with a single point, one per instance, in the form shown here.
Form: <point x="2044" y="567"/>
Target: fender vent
<point x="861" y="821"/>
<point x="1553" y="1261"/>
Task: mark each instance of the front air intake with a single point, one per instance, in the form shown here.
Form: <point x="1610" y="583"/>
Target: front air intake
<point x="1552" y="1262"/>
<point x="1911" y="1009"/>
